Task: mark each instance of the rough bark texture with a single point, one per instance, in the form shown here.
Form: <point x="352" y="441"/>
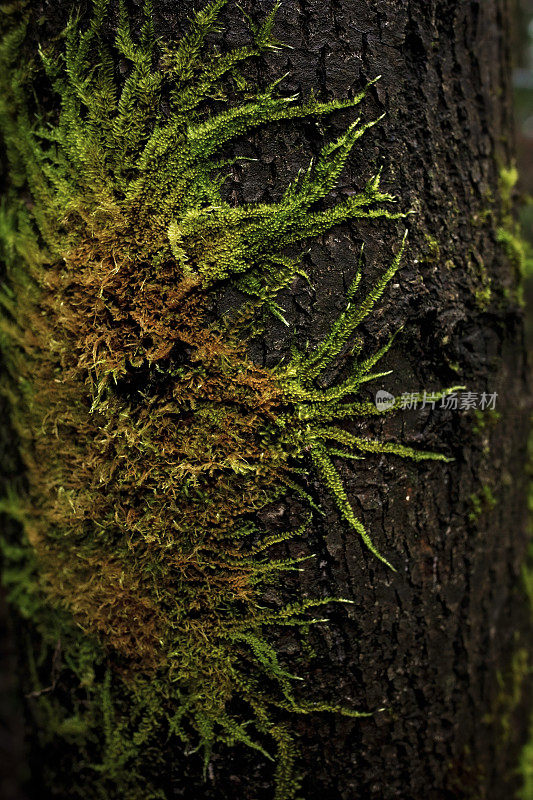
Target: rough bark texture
<point x="433" y="644"/>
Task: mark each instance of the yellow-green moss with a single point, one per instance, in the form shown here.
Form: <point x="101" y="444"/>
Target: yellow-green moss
<point x="509" y="233"/>
<point x="485" y="420"/>
<point x="526" y="759"/>
<point x="149" y="437"/>
<point x="510" y="693"/>
<point x="481" y="502"/>
<point x="432" y="254"/>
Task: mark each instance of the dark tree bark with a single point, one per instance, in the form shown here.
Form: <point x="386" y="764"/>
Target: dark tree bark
<point x="440" y="643"/>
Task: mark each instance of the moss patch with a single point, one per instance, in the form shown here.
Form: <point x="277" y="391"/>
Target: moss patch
<point x="150" y="439"/>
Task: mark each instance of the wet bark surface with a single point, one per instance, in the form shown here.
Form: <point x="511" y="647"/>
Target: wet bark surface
<point x="432" y="647"/>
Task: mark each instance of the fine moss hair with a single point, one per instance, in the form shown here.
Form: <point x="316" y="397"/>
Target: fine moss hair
<point x="150" y="439"/>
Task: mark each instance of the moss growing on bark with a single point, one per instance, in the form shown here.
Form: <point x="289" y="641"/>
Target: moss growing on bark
<point x="509" y="233"/>
<point x="481" y="502"/>
<point x="149" y="437"/>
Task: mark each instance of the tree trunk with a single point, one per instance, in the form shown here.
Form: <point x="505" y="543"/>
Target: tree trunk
<point x="438" y="650"/>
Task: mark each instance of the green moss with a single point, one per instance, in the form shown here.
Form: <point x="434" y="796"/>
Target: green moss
<point x="481" y="502"/>
<point x="508" y="181"/>
<point x="150" y="439"/>
<point x="500" y="212"/>
<point x="432" y="254"/>
<point x="485" y="420"/>
<point x="509" y="697"/>
<point x="526" y="759"/>
<point x="509" y="233"/>
<point x="478" y="270"/>
<point x="483" y="297"/>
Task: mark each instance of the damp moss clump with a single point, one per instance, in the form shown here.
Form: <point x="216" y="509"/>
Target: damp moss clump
<point x="509" y="234"/>
<point x="150" y="440"/>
